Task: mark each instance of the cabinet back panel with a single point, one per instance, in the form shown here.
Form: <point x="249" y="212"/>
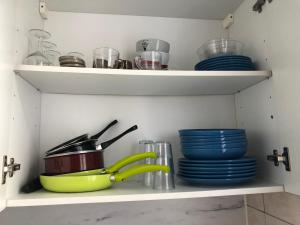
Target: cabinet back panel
<point x="85" y="32"/>
<point x="158" y="118"/>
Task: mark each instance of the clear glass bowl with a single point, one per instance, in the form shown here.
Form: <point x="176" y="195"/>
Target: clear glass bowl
<point x="220" y="47"/>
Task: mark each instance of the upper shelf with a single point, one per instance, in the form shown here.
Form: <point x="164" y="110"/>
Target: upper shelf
<point x="195" y="9"/>
<point x="132" y="191"/>
<point x="68" y="80"/>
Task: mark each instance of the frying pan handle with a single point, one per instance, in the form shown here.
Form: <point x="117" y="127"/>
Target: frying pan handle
<point x="108" y="143"/>
<point x="130" y="159"/>
<point x="138" y="169"/>
<point x="96" y="136"/>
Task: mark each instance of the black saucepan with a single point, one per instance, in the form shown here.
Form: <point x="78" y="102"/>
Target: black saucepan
<point x="81" y="156"/>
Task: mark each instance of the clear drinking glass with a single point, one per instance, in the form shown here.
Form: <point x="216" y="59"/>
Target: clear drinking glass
<point x="47" y="45"/>
<point x="52" y="57"/>
<point x="162" y="180"/>
<point x="105" y="58"/>
<point x="35" y="49"/>
<point x="149" y="60"/>
<point x="147" y="146"/>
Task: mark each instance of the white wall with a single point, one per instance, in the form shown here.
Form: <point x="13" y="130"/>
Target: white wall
<point x="85" y="32"/>
<point x="158" y="118"/>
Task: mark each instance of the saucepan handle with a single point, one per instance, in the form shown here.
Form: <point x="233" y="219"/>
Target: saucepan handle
<point x="96" y="136"/>
<point x="138" y="169"/>
<point x="130" y="159"/>
<point x="108" y="143"/>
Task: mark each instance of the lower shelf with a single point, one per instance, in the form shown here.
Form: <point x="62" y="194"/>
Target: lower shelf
<point x="133" y="191"/>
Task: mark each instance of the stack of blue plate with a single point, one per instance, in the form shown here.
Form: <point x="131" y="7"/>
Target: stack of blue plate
<point x="215" y="156"/>
<point x="228" y="62"/>
<point x="217" y="172"/>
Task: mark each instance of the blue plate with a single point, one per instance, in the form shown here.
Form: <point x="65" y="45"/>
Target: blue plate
<point x="227" y="63"/>
<point x="217" y="169"/>
<point x="225" y="58"/>
<point x="223" y="65"/>
<point x="214" y="172"/>
<point x="214" y="147"/>
<point x="247" y="159"/>
<point x="229" y="68"/>
<point x="222" y="176"/>
<point x="227" y="181"/>
<point x="211" y="132"/>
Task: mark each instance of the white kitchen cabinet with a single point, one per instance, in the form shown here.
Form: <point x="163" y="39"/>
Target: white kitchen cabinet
<point x="42" y="106"/>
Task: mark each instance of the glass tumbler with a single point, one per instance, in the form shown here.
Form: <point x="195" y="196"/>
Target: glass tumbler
<point x="47" y="45"/>
<point x="52" y="57"/>
<point x="35" y="49"/>
<point x="147" y="146"/>
<point x="149" y="60"/>
<point x="105" y="58"/>
<point x="162" y="180"/>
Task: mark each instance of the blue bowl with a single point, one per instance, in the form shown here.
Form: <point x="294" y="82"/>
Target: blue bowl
<point x="212" y="132"/>
<point x="212" y="154"/>
<point x="212" y="138"/>
<point x="244" y="160"/>
<point x="212" y="141"/>
<point x="213" y="146"/>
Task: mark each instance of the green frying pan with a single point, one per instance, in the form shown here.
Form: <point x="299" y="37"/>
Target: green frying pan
<point x="95" y="180"/>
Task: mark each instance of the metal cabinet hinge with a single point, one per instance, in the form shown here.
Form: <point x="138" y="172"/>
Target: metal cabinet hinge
<point x="283" y="158"/>
<point x="9" y="168"/>
<point x="259" y="4"/>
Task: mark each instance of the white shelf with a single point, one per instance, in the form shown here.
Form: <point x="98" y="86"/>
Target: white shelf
<point x="68" y="80"/>
<point x="132" y="191"/>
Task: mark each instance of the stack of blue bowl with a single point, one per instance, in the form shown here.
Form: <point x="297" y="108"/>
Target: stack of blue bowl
<point x="226" y="62"/>
<point x="215" y="157"/>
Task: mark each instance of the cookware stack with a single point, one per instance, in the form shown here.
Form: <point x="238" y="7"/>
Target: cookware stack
<point x="215" y="157"/>
<point x="80" y="154"/>
<point x="77" y="165"/>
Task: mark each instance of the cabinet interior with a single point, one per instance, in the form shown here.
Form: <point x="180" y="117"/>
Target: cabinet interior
<point x="40" y="121"/>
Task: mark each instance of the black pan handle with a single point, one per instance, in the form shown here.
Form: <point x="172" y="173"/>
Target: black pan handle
<point x="96" y="136"/>
<point x="109" y="142"/>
